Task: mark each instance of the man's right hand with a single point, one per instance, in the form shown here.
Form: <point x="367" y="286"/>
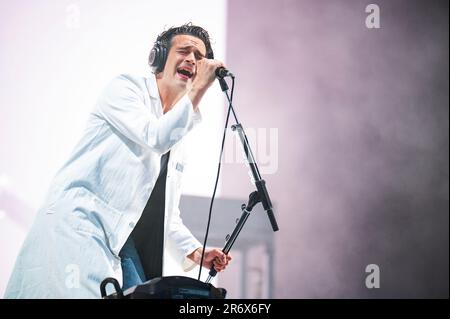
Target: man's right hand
<point x="204" y="77"/>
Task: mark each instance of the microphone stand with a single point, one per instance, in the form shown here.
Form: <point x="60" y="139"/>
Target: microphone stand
<point x="260" y="195"/>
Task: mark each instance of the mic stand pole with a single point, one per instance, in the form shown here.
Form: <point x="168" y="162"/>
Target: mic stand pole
<point x="246" y="209"/>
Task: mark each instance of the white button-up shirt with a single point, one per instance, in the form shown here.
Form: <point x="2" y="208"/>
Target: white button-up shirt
<point x="98" y="196"/>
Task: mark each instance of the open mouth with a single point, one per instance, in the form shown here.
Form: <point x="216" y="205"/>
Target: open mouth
<point x="185" y="73"/>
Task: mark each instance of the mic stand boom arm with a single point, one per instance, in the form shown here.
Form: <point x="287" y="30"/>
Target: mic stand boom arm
<point x="256" y="177"/>
<point x="261" y="195"/>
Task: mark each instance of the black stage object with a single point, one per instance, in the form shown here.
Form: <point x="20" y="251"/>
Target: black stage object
<point x="171" y="287"/>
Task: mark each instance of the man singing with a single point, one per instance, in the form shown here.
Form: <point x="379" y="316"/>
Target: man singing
<point x="113" y="207"/>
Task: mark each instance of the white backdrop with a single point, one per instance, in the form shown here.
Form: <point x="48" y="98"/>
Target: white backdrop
<point x="55" y="58"/>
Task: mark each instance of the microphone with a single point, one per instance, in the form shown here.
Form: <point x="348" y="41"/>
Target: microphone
<point x="222" y="72"/>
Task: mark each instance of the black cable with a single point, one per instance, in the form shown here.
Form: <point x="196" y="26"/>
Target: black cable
<point x="230" y="100"/>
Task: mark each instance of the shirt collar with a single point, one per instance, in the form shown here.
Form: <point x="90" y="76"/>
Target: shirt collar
<point x="153" y="92"/>
<point x="153" y="87"/>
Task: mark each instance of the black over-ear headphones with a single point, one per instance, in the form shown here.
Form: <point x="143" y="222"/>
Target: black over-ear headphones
<point x="158" y="56"/>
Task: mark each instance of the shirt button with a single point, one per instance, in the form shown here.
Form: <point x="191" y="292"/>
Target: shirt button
<point x="131" y="224"/>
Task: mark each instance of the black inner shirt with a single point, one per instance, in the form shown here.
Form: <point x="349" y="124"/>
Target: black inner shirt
<point x="148" y="235"/>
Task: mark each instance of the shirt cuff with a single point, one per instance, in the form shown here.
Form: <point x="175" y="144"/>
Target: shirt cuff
<point x="188" y="264"/>
<point x="195" y="114"/>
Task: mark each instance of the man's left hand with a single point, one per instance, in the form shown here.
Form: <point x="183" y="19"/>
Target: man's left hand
<point x="213" y="257"/>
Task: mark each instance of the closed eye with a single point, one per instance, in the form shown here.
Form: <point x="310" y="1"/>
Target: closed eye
<point x="197" y="54"/>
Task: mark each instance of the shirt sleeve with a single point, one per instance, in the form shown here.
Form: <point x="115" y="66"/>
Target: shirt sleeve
<point x="122" y="105"/>
<point x="181" y="242"/>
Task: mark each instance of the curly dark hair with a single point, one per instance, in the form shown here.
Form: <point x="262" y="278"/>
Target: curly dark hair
<point x="189" y="29"/>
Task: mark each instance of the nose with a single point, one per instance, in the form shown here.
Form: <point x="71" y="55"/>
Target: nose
<point x="190" y="58"/>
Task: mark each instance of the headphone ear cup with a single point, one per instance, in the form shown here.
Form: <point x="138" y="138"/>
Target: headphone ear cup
<point x="152" y="58"/>
<point x="157" y="57"/>
<point x="163" y="55"/>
